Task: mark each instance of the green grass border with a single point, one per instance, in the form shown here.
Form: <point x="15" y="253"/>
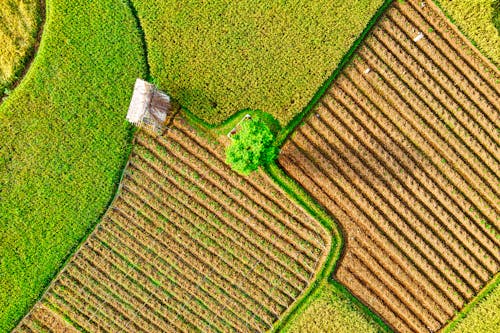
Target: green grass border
<point x="459" y="316"/>
<point x="89" y="232"/>
<point x="298" y="194"/>
<point x="288" y="128"/>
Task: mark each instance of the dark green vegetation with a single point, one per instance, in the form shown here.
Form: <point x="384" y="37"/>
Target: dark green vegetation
<point x="332" y="310"/>
<point x="479" y="21"/>
<point x="251" y="146"/>
<point x="223" y="56"/>
<point x="63" y="143"/>
<point x="20" y="21"/>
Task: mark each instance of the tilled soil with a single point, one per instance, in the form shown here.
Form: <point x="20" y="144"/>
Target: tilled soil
<point x="403" y="150"/>
<point x="188" y="245"/>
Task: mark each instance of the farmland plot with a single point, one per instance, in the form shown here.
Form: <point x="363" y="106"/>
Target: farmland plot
<point x="188" y="245"/>
<point x="403" y="151"/>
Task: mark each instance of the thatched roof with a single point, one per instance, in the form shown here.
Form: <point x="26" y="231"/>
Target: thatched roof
<point x="148" y="106"/>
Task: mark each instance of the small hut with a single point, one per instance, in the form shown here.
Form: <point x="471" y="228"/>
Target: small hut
<point x="149" y="107"/>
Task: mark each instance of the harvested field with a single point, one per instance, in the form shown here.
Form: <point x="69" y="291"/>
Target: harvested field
<point x="405" y="156"/>
<point x="188" y="245"/>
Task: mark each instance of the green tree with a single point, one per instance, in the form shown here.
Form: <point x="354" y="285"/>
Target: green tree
<point x="251" y="147"/>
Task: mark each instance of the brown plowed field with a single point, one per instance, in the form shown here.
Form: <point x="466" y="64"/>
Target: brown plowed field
<point x="188" y="245"/>
<point x="405" y="156"/>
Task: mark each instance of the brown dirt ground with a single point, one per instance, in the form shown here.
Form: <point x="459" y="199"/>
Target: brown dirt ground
<point x="403" y="150"/>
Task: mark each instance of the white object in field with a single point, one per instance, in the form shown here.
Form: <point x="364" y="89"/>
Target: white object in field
<point x="148" y="106"/>
<point x="235" y="128"/>
<point x="418" y="37"/>
<point x="422" y="4"/>
<point x="368" y="70"/>
<point x="139" y="102"/>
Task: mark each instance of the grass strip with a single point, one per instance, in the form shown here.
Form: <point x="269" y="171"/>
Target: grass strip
<point x="323" y="278"/>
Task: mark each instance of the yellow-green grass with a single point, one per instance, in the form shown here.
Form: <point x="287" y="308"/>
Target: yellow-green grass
<point x="476" y="19"/>
<point x="218" y="57"/>
<point x="19" y="24"/>
<point x="332" y="310"/>
<point x="63" y="143"/>
<point x="482" y="314"/>
<point x="484" y="317"/>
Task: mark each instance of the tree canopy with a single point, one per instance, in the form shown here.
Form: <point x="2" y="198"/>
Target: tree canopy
<point x="251" y="147"/>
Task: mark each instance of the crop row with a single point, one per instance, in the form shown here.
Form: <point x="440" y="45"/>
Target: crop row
<point x="422" y="128"/>
<point x="267" y="224"/>
<point x="188" y="245"/>
<point x="421" y="183"/>
<point x="213" y="237"/>
<point x="258" y="188"/>
<point x="430" y="94"/>
<point x="405" y="156"/>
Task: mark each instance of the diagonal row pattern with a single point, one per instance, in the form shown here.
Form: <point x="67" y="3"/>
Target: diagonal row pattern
<point x="405" y="156"/>
<point x="188" y="245"/>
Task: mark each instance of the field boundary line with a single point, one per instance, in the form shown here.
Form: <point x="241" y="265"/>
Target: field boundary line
<point x="74" y="251"/>
<point x="297" y="193"/>
<point x="297" y="120"/>
<point x="289" y="128"/>
<point x="142" y="35"/>
<point x="464" y="36"/>
<point x="94" y="227"/>
<point x="30" y="56"/>
<point x="483" y="293"/>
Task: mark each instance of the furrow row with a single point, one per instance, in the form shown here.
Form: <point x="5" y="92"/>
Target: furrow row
<point x="434" y="45"/>
<point x="248" y="193"/>
<point x="201" y="177"/>
<point x="170" y="242"/>
<point x="432" y="17"/>
<point x="251" y="253"/>
<point x="413" y="134"/>
<point x="247" y="223"/>
<point x="392" y="156"/>
<point x="394" y="180"/>
<point x="411" y="83"/>
<point x="191" y="313"/>
<point x="328" y="193"/>
<point x="207" y="243"/>
<point x="253" y="187"/>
